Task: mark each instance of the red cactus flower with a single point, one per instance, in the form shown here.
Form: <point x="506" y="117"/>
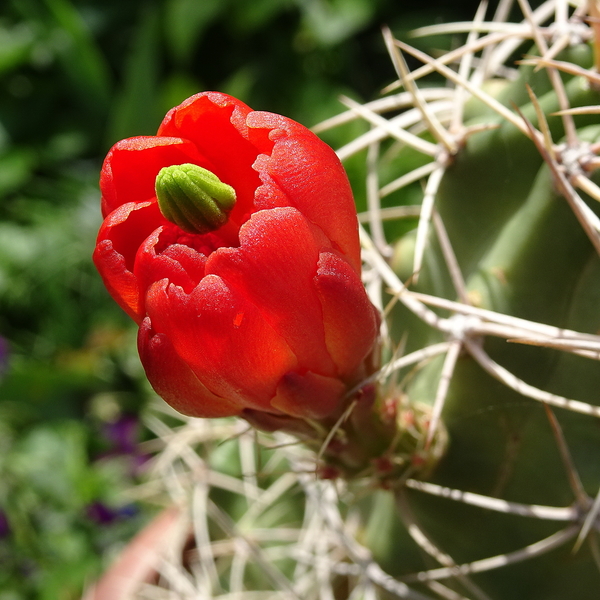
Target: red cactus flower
<point x="230" y="237"/>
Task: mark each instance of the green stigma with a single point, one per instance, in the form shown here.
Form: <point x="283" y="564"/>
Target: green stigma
<point x="193" y="198"/>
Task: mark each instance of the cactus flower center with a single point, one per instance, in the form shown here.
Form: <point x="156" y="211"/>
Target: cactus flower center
<point x="193" y="198"/>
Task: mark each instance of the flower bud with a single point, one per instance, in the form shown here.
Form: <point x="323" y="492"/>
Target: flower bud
<point x="267" y="312"/>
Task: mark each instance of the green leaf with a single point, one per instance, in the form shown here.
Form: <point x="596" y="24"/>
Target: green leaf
<point x="16" y="167"/>
<point x="15" y="46"/>
<point x="81" y="56"/>
<point x="332" y="22"/>
<point x="252" y="16"/>
<point x="136" y="110"/>
<point x="186" y="20"/>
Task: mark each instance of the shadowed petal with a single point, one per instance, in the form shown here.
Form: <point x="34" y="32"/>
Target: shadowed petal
<point x="223" y="338"/>
<point x="274" y="269"/>
<point x="174" y="381"/>
<point x="351" y="321"/>
<point x="118" y="280"/>
<point x="309" y="396"/>
<point x="119" y="239"/>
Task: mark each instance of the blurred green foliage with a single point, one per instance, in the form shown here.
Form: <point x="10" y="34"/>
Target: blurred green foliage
<point x="76" y="76"/>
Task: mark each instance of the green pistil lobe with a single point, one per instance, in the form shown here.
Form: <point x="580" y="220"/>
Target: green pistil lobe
<point x="193" y="198"/>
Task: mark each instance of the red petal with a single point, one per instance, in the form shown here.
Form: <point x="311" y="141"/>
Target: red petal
<point x="216" y="124"/>
<point x="174" y="381"/>
<point x="351" y="321"/>
<point x="308" y="396"/>
<point x="223" y="338"/>
<point x="119" y="281"/>
<point x="274" y="268"/>
<point x="309" y="173"/>
<point x="178" y="263"/>
<point x="119" y="238"/>
<point x="131" y="166"/>
<point x="128" y="227"/>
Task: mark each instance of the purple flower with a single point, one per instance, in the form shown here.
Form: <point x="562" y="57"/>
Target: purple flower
<point x="100" y="513"/>
<point x="122" y="435"/>
<point x="105" y="515"/>
<point x="4" y="525"/>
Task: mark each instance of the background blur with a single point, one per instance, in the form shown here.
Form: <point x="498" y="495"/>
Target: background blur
<point x="75" y="77"/>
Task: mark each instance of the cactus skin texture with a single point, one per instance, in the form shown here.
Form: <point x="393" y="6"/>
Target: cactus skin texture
<point x="505" y="204"/>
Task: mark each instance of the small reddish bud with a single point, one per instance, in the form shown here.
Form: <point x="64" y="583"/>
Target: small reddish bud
<point x="328" y="472"/>
<point x="417" y="460"/>
<point x="383" y="465"/>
